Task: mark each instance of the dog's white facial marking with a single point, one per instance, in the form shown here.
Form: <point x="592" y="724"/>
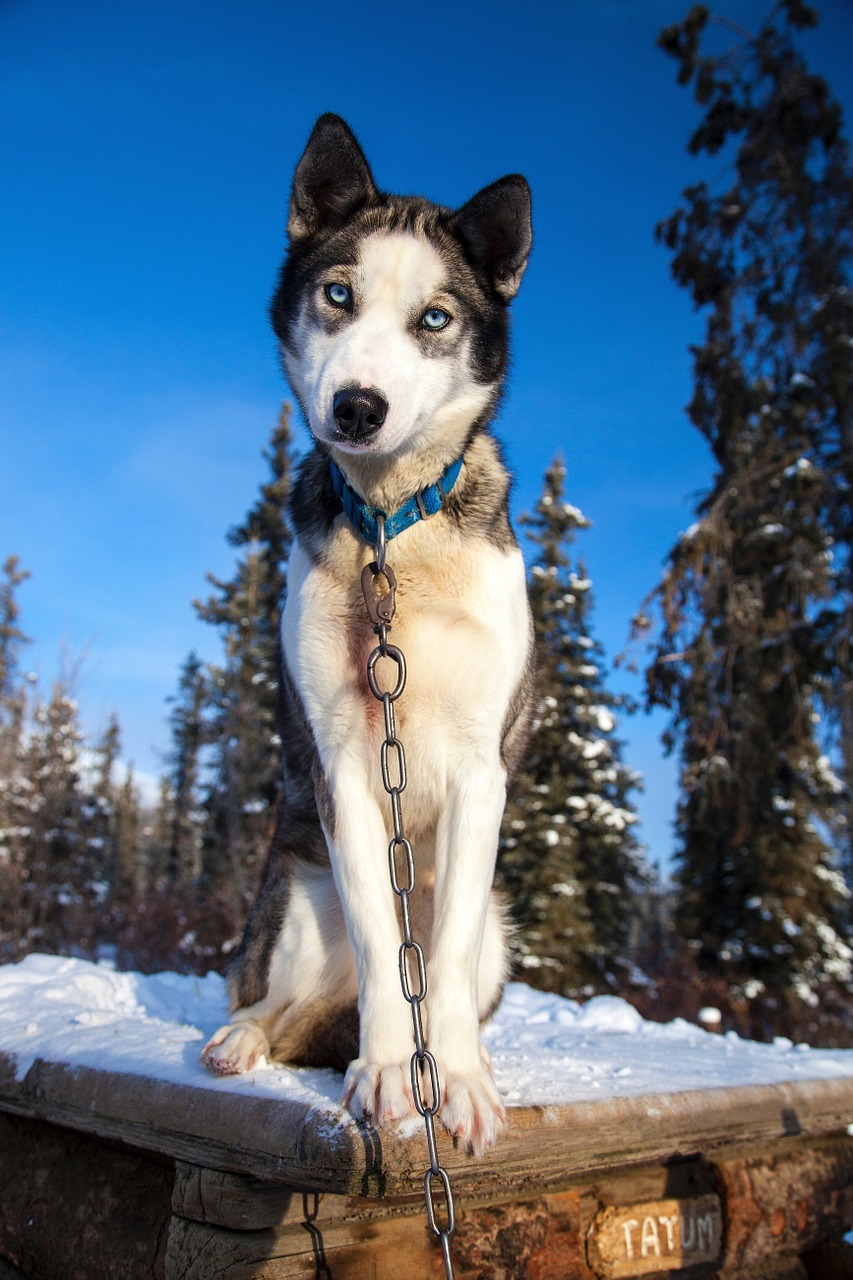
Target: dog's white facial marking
<point x="390" y="325"/>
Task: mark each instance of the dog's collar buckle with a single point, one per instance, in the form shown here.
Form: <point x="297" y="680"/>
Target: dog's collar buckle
<point x="421" y="498"/>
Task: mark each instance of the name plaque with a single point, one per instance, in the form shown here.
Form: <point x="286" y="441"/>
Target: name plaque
<point x="658" y="1235"/>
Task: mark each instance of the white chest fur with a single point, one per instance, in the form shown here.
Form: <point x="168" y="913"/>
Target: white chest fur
<point x="462" y="625"/>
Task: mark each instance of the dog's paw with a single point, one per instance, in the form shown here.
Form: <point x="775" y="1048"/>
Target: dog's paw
<point x="471" y="1108"/>
<point x="235" y="1048"/>
<point x="380" y="1094"/>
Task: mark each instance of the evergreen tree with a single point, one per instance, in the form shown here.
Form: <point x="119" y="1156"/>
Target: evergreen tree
<point x="185" y="818"/>
<point x="11" y="639"/>
<point x="568" y="853"/>
<point x="15" y="787"/>
<point x="243" y="798"/>
<point x="100" y="806"/>
<point x="130" y="872"/>
<point x="61" y="890"/>
<point x="756" y="597"/>
<point x="146" y="836"/>
<point x="54" y="810"/>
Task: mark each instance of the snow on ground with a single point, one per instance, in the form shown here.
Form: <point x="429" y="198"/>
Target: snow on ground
<point x="548" y="1050"/>
<point x="545" y="1050"/>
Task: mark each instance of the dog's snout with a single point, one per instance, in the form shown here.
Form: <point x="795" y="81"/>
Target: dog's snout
<point x="359" y="411"/>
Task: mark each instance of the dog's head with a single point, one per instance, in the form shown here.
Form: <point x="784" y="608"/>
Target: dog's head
<point x="391" y="312"/>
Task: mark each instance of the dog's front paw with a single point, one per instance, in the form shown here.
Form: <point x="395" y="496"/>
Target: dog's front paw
<point x="235" y="1048"/>
<point x="380" y="1094"/>
<point x="471" y="1108"/>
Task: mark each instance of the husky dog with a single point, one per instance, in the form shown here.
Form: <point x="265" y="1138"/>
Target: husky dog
<point x="391" y="315"/>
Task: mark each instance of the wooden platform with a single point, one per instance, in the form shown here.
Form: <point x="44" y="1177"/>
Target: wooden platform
<point x="107" y="1175"/>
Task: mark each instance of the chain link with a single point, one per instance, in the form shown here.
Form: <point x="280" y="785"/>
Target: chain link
<point x="401" y="863"/>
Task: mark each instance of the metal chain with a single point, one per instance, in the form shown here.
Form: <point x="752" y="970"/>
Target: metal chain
<point x="381" y="610"/>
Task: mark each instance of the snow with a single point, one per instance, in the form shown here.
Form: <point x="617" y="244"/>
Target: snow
<point x="802" y="467"/>
<point x="545" y="1050"/>
<point x="604" y="719"/>
<point x="88" y="1015"/>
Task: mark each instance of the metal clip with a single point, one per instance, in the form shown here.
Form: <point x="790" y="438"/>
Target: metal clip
<point x="380" y="608"/>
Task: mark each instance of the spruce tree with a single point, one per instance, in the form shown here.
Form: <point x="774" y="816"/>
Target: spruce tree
<point x="50" y="855"/>
<point x="185" y="818"/>
<point x="130" y="873"/>
<point x="61" y="890"/>
<point x="100" y="807"/>
<point x="568" y="854"/>
<point x="244" y="793"/>
<point x="59" y="806"/>
<point x="11" y="639"/>
<point x="16" y="796"/>
<point x="756" y="597"/>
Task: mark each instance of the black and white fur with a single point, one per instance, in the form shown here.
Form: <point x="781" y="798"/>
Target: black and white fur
<point x="391" y="314"/>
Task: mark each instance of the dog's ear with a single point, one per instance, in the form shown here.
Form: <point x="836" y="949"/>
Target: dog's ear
<point x="495" y="228"/>
<point x="332" y="180"/>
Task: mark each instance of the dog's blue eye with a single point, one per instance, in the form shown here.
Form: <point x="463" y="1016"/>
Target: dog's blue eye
<point x="338" y="294"/>
<point x="435" y="319"/>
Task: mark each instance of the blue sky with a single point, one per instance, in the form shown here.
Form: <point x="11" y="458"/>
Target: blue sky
<point x="147" y="150"/>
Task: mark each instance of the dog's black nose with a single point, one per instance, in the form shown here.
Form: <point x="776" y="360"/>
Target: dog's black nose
<point x="358" y="411"/>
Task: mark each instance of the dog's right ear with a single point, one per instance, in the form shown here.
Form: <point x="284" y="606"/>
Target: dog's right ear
<point x="332" y="180"/>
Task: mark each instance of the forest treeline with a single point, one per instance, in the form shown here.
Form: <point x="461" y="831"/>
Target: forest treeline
<point x="746" y="642"/>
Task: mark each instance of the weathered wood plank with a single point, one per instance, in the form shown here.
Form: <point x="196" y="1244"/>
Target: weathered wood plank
<point x="229" y="1200"/>
<point x="240" y="1203"/>
<point x="749" y="1212"/>
<point x="196" y="1252"/>
<point x="285" y="1141"/>
<point x="73" y="1208"/>
<point x="538" y="1240"/>
<point x="247" y="1204"/>
<point x="786" y="1200"/>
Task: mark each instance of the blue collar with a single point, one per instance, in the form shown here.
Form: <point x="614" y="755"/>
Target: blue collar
<point x="427" y="502"/>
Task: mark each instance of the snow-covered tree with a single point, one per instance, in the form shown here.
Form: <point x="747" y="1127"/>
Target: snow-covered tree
<point x="568" y="852"/>
<point x="15" y="787"/>
<point x="61" y="889"/>
<point x="12" y="640"/>
<point x="760" y="892"/>
<point x="756" y="598"/>
<point x="57" y="806"/>
<point x="100" y="804"/>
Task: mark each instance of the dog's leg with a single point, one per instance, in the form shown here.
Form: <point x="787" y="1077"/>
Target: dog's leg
<point x="471" y="1108"/>
<point x="293" y="980"/>
<point x="377" y="1084"/>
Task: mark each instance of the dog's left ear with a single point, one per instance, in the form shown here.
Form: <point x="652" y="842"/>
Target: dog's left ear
<point x="332" y="180"/>
<point x="495" y="228"/>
